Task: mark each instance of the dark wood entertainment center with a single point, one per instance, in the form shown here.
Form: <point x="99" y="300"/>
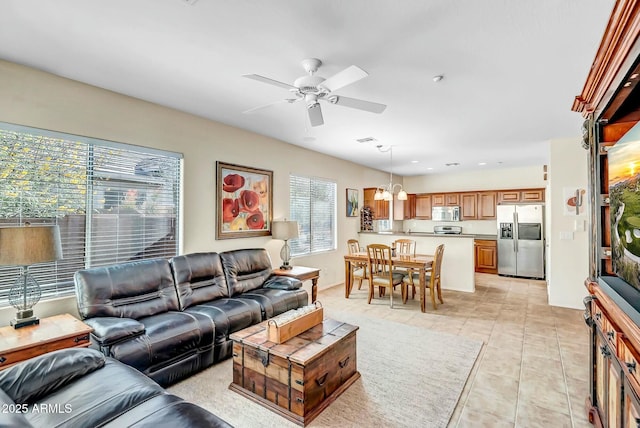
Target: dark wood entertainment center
<point x="610" y="104"/>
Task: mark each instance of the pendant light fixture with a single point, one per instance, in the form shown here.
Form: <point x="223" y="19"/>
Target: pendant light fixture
<point x="385" y="192"/>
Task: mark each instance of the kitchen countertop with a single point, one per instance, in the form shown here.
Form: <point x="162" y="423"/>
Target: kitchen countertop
<point x="431" y="234"/>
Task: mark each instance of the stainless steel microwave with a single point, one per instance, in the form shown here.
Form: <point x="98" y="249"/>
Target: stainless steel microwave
<point x="445" y="213"/>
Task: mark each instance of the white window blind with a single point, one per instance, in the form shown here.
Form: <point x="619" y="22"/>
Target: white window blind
<point x="313" y="206"/>
<point x="112" y="202"/>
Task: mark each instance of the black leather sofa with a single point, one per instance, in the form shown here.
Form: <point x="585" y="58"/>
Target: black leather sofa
<point x="171" y="318"/>
<point x="80" y="387"/>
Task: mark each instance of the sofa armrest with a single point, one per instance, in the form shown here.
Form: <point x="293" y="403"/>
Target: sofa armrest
<point x="279" y="282"/>
<point x="37" y="377"/>
<point x="109" y="330"/>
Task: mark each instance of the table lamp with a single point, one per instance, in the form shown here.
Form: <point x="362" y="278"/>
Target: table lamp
<point x="24" y="246"/>
<point x="285" y="230"/>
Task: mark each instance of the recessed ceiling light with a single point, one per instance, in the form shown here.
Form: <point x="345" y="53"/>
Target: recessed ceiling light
<point x="438" y="78"/>
<point x="415" y="161"/>
<point x="482" y="163"/>
<point x="430" y="168"/>
<point x="635" y="75"/>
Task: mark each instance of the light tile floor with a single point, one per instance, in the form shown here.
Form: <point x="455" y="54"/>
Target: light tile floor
<point x="532" y="370"/>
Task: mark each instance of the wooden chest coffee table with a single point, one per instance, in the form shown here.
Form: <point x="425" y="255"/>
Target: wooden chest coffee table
<point x="299" y="378"/>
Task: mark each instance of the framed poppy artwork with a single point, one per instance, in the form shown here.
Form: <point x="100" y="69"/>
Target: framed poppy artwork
<point x="244" y="198"/>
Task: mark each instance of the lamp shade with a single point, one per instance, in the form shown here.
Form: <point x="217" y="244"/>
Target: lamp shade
<point x="27" y="245"/>
<point x="284" y="230"/>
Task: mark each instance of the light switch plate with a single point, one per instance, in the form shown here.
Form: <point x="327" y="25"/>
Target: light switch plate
<point x="566" y="236"/>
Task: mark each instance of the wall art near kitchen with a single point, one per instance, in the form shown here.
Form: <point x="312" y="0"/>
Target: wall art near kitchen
<point x="574" y="201"/>
<point x="352" y="202"/>
<point x="244" y="198"/>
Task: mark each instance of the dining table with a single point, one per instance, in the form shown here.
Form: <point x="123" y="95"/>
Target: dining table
<point x="418" y="262"/>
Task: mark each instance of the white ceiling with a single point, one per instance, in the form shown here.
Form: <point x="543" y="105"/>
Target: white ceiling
<point x="511" y="67"/>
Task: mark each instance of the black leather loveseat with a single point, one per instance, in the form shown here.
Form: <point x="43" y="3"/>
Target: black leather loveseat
<point x="80" y="387"/>
<point x="171" y="318"/>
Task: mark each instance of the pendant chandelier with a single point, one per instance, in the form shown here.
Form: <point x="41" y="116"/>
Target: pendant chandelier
<point x="385" y="192"/>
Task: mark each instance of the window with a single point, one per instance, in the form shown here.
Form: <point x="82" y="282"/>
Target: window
<point x="112" y="202"/>
<point x="313" y="206"/>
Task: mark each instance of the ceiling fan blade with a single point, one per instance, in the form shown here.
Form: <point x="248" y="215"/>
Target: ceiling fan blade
<point x="253" y="110"/>
<point x="269" y="81"/>
<point x="345" y="77"/>
<point x="356" y="103"/>
<point x="315" y="114"/>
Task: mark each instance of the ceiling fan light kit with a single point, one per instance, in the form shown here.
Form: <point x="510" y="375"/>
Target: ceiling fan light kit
<point x="312" y="89"/>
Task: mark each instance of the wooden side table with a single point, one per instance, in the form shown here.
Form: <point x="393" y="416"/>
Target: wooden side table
<point x="53" y="333"/>
<point x="303" y="273"/>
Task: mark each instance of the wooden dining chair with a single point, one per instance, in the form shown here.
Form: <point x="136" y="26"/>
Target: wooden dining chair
<point x="405" y="246"/>
<point x="358" y="270"/>
<point x="432" y="277"/>
<point x="381" y="272"/>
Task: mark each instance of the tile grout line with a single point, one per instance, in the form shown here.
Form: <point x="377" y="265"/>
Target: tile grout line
<point x="564" y="373"/>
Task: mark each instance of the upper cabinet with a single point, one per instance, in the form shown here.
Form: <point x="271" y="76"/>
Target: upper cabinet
<point x="522" y="195"/>
<point x="469" y="206"/>
<point x="423" y="206"/>
<point x="487" y="202"/>
<point x="404" y="210"/>
<point x="445" y="199"/>
<point x="379" y="209"/>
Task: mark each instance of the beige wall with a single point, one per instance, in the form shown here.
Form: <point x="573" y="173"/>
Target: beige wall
<point x="486" y="179"/>
<point x="33" y="98"/>
<point x="568" y="240"/>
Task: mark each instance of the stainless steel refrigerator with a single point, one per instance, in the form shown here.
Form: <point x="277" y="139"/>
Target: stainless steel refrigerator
<point x="521" y="240"/>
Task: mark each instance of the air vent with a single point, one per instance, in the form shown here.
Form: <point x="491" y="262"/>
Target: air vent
<point x="452" y="164"/>
<point x="366" y="140"/>
<point x="191" y="2"/>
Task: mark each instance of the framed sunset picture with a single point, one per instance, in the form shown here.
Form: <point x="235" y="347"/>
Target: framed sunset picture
<point x="624" y="206"/>
<point x="244" y="198"/>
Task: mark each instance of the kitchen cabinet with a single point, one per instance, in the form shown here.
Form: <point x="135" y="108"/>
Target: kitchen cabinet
<point x="423" y="206"/>
<point x="452" y="199"/>
<point x="410" y="207"/>
<point x="520" y="195"/>
<point x="445" y="199"/>
<point x="486" y="256"/>
<point x="487" y="205"/>
<point x="437" y="200"/>
<point x="404" y="210"/>
<point x="469" y="206"/>
<point x="379" y="209"/>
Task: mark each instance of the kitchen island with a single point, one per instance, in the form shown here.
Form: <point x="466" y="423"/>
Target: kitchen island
<point x="457" y="262"/>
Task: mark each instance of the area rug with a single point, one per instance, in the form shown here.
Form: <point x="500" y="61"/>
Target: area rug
<point x="411" y="377"/>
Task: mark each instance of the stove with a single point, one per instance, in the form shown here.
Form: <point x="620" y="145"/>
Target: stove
<point x="447" y="230"/>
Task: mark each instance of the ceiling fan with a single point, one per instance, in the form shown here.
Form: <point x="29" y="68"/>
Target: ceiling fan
<point x="312" y="89"/>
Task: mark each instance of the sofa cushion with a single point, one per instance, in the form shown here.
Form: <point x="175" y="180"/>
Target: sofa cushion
<point x="246" y="269"/>
<point x="127" y="290"/>
<point x="280" y="282"/>
<point x="167" y="336"/>
<point x="39" y="376"/>
<point x="109" y="330"/>
<point x="199" y="278"/>
<point x="274" y="302"/>
<point x="96" y="398"/>
<point x="229" y="315"/>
